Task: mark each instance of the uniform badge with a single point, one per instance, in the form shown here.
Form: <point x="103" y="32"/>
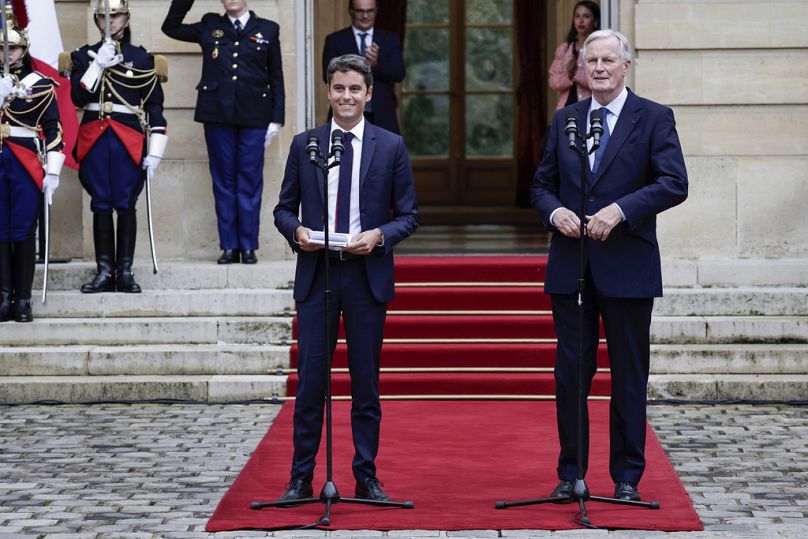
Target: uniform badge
<point x="217" y="33"/>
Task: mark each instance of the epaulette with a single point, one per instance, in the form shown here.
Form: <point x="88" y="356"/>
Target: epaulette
<point x="65" y="62"/>
<point x="161" y="67"/>
<point x="45" y="78"/>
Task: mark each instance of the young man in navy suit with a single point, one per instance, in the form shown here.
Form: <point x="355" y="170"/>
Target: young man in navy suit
<point x="382" y="50"/>
<point x="637" y="172"/>
<point x="371" y="195"/>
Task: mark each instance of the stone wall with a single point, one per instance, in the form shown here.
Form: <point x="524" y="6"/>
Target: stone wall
<point x="736" y="75"/>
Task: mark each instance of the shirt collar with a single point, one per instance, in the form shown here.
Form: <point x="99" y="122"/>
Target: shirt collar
<point x="358" y="130"/>
<point x="615" y="107"/>
<point x="357" y="31"/>
<point x="244" y="18"/>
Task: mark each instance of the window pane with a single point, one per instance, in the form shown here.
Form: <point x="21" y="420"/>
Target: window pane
<point x="427" y="12"/>
<point x="488" y="11"/>
<point x="426" y="55"/>
<point x="489" y="63"/>
<point x="426" y="125"/>
<point x="489" y="126"/>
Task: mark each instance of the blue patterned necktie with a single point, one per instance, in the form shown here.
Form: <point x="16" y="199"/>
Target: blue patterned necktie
<point x="342" y="217"/>
<point x="604" y="139"/>
<point x="237" y="24"/>
<point x="362" y="43"/>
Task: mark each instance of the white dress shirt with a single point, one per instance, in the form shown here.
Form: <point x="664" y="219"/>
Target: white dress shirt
<point x="355" y="225"/>
<point x="358" y="38"/>
<point x="244" y="18"/>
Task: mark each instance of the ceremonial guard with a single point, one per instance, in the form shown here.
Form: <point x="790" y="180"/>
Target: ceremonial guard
<point x="241" y="104"/>
<point x="122" y="137"/>
<point x="30" y="162"/>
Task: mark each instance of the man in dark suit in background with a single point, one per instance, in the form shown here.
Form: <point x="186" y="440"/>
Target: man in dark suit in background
<point x="382" y="49"/>
<point x="637" y="172"/>
<point x="241" y="104"/>
<point x="372" y="197"/>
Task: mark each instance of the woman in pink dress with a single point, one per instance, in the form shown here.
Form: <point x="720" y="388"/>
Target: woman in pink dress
<point x="566" y="72"/>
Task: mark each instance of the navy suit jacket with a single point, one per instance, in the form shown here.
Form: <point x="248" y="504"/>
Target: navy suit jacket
<point x="242" y="75"/>
<point x="388" y="71"/>
<point x="386" y="201"/>
<point x="642" y="170"/>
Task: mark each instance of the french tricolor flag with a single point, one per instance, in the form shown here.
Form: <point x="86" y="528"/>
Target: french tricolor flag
<point x="39" y="16"/>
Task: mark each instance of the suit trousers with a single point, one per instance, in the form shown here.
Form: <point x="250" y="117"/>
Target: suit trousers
<point x="363" y="317"/>
<point x="627" y="324"/>
<point x="237" y="168"/>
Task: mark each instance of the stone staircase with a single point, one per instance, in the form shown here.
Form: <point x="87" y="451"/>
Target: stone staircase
<point x="212" y="333"/>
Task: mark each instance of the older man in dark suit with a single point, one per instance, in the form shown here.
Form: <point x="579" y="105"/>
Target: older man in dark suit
<point x="382" y="49"/>
<point x="637" y="172"/>
<point x="371" y="197"/>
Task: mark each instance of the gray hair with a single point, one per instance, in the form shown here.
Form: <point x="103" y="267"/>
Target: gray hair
<point x="625" y="47"/>
<point x="349" y="62"/>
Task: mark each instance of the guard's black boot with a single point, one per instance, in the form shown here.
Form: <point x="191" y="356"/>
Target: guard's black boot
<point x="127" y="232"/>
<point x="24" y="260"/>
<point x="104" y="240"/>
<point x="6" y="284"/>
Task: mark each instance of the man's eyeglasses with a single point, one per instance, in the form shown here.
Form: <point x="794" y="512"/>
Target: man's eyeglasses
<point x="364" y="12"/>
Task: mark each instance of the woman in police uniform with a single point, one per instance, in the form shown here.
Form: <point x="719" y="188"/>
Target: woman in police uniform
<point x="119" y="88"/>
<point x="30" y="162"/>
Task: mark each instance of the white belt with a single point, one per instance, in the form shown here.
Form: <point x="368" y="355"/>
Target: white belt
<point x="17" y="131"/>
<point x="111" y="107"/>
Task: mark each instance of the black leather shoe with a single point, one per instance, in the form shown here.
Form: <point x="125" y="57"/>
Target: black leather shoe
<point x="297" y="489"/>
<point x="22" y="311"/>
<point x="563" y="491"/>
<point x="371" y="489"/>
<point x="248" y="257"/>
<point x="229" y="256"/>
<point x="626" y="491"/>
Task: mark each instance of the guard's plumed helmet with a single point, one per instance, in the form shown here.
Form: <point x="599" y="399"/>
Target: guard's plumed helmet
<point x="17" y="36"/>
<point x="115" y="7"/>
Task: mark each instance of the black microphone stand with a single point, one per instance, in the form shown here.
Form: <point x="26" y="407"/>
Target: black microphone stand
<point x="329" y="495"/>
<point x="580" y="492"/>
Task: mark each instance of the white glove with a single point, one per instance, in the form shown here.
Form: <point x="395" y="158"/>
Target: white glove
<point x="7" y="87"/>
<point x="150" y="163"/>
<point x="272" y="132"/>
<point x="107" y="55"/>
<point x="49" y="185"/>
<point x="157" y="147"/>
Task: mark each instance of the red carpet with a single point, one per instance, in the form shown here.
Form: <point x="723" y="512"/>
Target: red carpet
<point x="454" y="460"/>
<point x="453" y="315"/>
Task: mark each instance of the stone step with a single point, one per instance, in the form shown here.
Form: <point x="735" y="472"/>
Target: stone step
<point x="729" y="329"/>
<point x="165" y="360"/>
<point x="228" y="388"/>
<point x="740" y="301"/>
<point x="217" y="388"/>
<point x="146" y="330"/>
<point x="268" y="330"/>
<point x="755" y="387"/>
<point x="207" y="359"/>
<point x="176" y="275"/>
<point x="730" y="359"/>
<point x="163" y="303"/>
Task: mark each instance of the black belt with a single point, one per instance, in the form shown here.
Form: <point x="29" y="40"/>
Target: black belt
<point x="342" y="256"/>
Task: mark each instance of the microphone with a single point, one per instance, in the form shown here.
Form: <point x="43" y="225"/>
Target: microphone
<point x="313" y="147"/>
<point x="337" y="148"/>
<point x="596" y="127"/>
<point x="571" y="130"/>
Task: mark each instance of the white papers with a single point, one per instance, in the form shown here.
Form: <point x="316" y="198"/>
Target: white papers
<point x="336" y="240"/>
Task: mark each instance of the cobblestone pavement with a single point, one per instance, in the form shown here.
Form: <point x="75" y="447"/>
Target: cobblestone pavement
<point x="158" y="471"/>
